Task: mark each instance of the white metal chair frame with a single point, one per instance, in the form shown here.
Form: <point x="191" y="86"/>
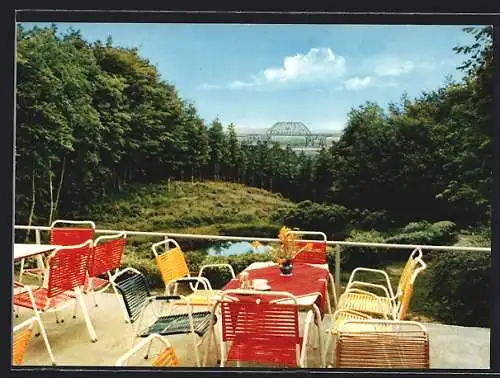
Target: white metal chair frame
<point x="41" y="261"/>
<point x="78" y="297"/>
<point x="313" y="316"/>
<point x="92" y="292"/>
<point x="330" y="276"/>
<point x="180" y="300"/>
<point x="393" y="299"/>
<point x="380" y="326"/>
<point x="154" y="336"/>
<point x="194" y="287"/>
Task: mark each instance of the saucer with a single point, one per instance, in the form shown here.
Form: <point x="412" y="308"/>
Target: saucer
<point x="262" y="288"/>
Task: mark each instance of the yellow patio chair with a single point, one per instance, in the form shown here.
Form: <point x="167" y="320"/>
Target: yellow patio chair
<point x="390" y="305"/>
<point x="166" y="357"/>
<point x="377" y="343"/>
<point x="341" y="315"/>
<point x="21" y="336"/>
<point x="173" y="267"/>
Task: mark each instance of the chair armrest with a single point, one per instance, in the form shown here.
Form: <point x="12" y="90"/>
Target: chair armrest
<point x="362" y="269"/>
<point x="166" y="297"/>
<point x="381" y="287"/>
<point x="217" y="265"/>
<point x="203" y="280"/>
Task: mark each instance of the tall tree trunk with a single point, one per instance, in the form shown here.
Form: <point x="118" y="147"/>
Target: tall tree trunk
<point x="59" y="187"/>
<point x="51" y="211"/>
<point x="32" y="211"/>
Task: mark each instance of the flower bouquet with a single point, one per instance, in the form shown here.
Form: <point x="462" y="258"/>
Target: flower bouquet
<point x="287" y="250"/>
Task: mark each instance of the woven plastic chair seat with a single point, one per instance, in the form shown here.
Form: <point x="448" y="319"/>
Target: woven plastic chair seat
<point x="365" y="303"/>
<point x="167" y="358"/>
<point x="19" y="345"/>
<point x="203" y="297"/>
<point x="345" y="315"/>
<point x="41" y="297"/>
<point x="179" y="324"/>
<point x="281" y="353"/>
<point x="97" y="284"/>
<point x="369" y="350"/>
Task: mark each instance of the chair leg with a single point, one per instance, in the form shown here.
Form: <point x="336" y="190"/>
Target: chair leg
<point x="216" y="348"/>
<point x="57" y="318"/>
<point x="93" y="295"/>
<point x="90" y="327"/>
<point x="21" y="271"/>
<point x="122" y="306"/>
<point x="149" y="349"/>
<point x="40" y="326"/>
<point x="196" y="350"/>
<point x="75" y="309"/>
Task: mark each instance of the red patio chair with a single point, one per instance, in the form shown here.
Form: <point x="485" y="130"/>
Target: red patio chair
<point x="260" y="330"/>
<point x="67" y="271"/>
<point x="64" y="235"/>
<point x="314" y="252"/>
<point x="105" y="260"/>
<point x="61" y="235"/>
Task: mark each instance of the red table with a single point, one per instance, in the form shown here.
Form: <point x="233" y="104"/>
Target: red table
<point x="306" y="280"/>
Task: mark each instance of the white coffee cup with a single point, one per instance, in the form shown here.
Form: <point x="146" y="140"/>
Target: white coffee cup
<point x="259" y="283"/>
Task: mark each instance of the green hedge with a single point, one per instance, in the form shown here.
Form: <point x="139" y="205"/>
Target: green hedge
<point x="439" y="233"/>
<point x="354" y="256"/>
<point x="457" y="288"/>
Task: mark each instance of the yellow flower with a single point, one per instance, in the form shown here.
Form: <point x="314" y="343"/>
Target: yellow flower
<point x="256" y="244"/>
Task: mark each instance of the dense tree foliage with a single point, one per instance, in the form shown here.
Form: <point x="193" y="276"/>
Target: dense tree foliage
<point x="94" y="116"/>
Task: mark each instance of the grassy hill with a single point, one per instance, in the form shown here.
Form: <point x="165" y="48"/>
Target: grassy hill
<point x="200" y="207"/>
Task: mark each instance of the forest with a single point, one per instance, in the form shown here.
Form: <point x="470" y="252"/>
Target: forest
<point x="93" y="117"/>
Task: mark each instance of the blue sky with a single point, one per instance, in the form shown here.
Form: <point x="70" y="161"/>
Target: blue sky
<point x="256" y="75"/>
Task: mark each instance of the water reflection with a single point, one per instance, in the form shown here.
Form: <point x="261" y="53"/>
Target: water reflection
<point x="235" y="248"/>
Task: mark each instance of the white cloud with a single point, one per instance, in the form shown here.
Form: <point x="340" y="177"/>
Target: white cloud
<point x="237" y="84"/>
<point x="319" y="65"/>
<point x="394" y="67"/>
<point x="356" y="83"/>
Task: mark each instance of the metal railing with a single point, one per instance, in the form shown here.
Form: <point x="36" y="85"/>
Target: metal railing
<point x="336" y="243"/>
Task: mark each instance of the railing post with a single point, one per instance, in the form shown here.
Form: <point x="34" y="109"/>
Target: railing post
<point x="337" y="269"/>
<point x="37" y="236"/>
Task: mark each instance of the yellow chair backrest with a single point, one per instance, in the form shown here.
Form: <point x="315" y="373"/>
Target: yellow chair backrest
<point x="167" y="358"/>
<point x="171" y="263"/>
<point x="20" y="341"/>
<point x="411" y="274"/>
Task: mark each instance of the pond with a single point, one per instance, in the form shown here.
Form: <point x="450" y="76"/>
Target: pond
<point x="234" y="248"/>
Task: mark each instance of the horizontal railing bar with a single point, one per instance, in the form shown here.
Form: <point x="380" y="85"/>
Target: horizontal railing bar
<point x="260" y="239"/>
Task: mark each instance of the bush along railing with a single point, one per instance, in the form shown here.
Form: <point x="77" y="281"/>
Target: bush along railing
<point x="457" y="278"/>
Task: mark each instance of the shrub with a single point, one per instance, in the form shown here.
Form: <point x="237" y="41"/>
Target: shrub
<point x="439" y="233"/>
<point x="258" y="230"/>
<point x="457" y="287"/>
<point x="330" y="219"/>
<point x="354" y="256"/>
<point x="372" y="220"/>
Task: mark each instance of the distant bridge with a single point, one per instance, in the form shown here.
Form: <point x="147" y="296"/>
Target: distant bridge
<point x="312" y="141"/>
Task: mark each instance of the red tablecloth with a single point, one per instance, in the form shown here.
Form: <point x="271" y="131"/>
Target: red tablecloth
<point x="306" y="279"/>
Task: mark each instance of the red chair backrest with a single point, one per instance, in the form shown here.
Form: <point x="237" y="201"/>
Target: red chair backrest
<point x="106" y="256"/>
<point x="315" y="254"/>
<point x="260" y="323"/>
<point x="70" y="235"/>
<point x="68" y="269"/>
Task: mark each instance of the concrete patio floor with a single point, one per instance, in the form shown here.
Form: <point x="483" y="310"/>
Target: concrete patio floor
<point x="451" y="347"/>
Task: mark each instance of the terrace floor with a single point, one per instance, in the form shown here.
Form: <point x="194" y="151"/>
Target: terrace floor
<point x="451" y="347"/>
